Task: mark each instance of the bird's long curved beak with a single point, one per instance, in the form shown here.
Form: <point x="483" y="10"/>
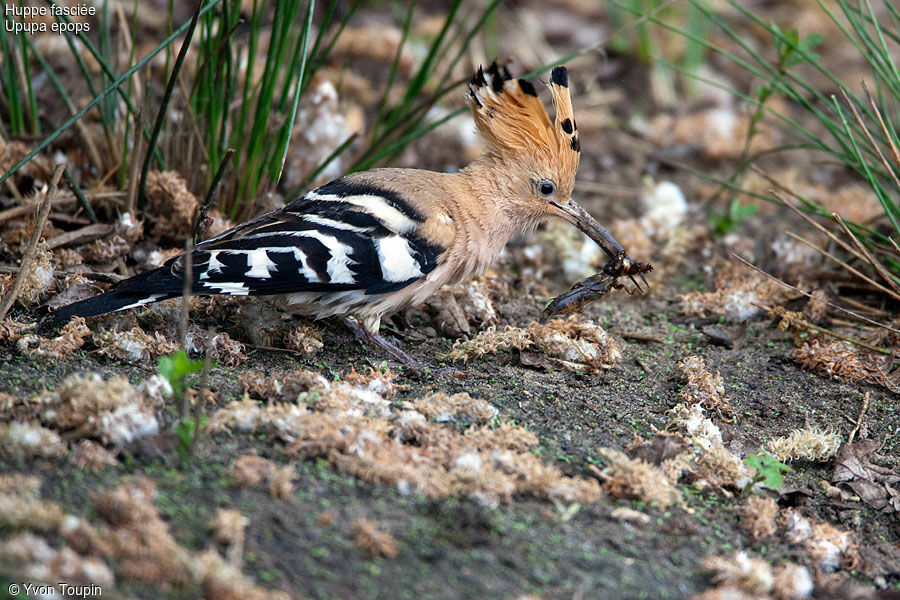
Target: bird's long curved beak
<point x="580" y="218"/>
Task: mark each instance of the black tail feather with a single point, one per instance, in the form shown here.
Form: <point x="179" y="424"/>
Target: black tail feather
<point x="153" y="286"/>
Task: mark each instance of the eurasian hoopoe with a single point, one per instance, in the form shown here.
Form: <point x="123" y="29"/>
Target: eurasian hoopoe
<point x="371" y="243"/>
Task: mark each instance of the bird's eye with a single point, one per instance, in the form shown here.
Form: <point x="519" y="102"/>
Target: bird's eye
<point x="546" y="187"/>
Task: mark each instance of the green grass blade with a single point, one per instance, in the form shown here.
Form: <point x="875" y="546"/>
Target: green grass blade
<point x="289" y="125"/>
<point x="100" y="96"/>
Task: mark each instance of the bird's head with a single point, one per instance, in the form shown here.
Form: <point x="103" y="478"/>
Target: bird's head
<point x="535" y="159"/>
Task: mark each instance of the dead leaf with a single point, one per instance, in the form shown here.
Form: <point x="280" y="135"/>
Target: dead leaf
<point x="853" y="463"/>
<point x="536" y="360"/>
<point x="657" y="449"/>
<point x="869" y="481"/>
<point x="869" y="492"/>
<point x="75" y="292"/>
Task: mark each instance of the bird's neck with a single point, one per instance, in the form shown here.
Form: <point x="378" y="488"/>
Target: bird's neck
<point x="489" y="215"/>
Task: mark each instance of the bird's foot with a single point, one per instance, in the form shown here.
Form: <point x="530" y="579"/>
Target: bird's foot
<point x="392" y="349"/>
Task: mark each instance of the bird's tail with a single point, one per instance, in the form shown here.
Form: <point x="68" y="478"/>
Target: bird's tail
<point x="130" y="293"/>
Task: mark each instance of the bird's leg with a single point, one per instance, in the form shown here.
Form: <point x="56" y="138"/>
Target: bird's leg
<point x="393" y="350"/>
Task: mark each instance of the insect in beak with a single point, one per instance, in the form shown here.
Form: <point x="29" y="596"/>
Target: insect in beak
<point x="580" y="218"/>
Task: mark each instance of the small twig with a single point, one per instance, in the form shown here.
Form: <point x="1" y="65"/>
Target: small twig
<point x="884" y="128"/>
<point x="186" y="291"/>
<point x="136" y="149"/>
<point x="818" y="226"/>
<point x="780" y="312"/>
<point x="808" y="295"/>
<point x="208" y="204"/>
<point x="31" y="250"/>
<point x="164" y="106"/>
<point x="872" y="260"/>
<point x="866" y="307"/>
<point x="185" y="309"/>
<point x="70" y="181"/>
<point x="846" y="266"/>
<point x="110" y="277"/>
<point x="865" y="129"/>
<point x="859" y="419"/>
<point x="640" y="363"/>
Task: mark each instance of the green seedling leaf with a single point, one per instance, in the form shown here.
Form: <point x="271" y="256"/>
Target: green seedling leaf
<point x="728" y="222"/>
<point x="768" y="469"/>
<point x="176" y="367"/>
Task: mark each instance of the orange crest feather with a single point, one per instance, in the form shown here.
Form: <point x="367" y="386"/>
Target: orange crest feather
<point x="514" y="123"/>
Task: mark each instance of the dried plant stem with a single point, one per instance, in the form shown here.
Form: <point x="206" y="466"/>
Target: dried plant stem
<point x="210" y="195"/>
<point x="859" y="419"/>
<point x="164" y="106"/>
<point x="846" y="266"/>
<point x="883" y="126"/>
<point x="70" y="181"/>
<point x="136" y="150"/>
<point x="185" y="309"/>
<point x="821" y="228"/>
<point x="871" y="259"/>
<point x="780" y="312"/>
<point x="866" y="307"/>
<point x="31" y="250"/>
<point x="875" y="146"/>
<point x="808" y="295"/>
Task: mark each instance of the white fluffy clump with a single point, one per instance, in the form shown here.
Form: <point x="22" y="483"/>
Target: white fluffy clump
<point x="665" y="204"/>
<point x="691" y="421"/>
<point x="127" y="423"/>
<point x="578" y="255"/>
<point x="112" y="409"/>
<point x="29" y="440"/>
<point x="155" y="388"/>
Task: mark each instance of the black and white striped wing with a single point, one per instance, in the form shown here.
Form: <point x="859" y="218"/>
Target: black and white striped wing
<point x="345" y="235"/>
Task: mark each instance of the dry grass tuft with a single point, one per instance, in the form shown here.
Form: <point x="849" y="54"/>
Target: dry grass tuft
<point x="305" y="339"/>
<point x="828" y="547"/>
<point x="35" y="559"/>
<point x="91" y="456"/>
<point x="740" y="576"/>
<point x="752" y="575"/>
<point x="838" y="360"/>
<point x="457" y="408"/>
<point x="70" y="338"/>
<point x="636" y="479"/>
<point x="39" y="278"/>
<point x="29" y="440"/>
<point x="701" y="386"/>
<point x="810" y="443"/>
<point x="250" y="470"/>
<point x="135" y="344"/>
<point x="21" y="506"/>
<point x="171" y="207"/>
<point x="229" y="528"/>
<point x="287" y="389"/>
<point x="738" y="292"/>
<point x="111" y="410"/>
<point x="575" y="343"/>
<point x="489" y="341"/>
<point x="372" y="540"/>
<point x="352" y="424"/>
<point x="760" y="515"/>
<point x="693" y="423"/>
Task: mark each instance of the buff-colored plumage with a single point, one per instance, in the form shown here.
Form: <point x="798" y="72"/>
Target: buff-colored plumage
<point x="371" y="243"/>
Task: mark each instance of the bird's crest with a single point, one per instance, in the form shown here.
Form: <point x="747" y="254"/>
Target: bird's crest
<point x="514" y="123"/>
